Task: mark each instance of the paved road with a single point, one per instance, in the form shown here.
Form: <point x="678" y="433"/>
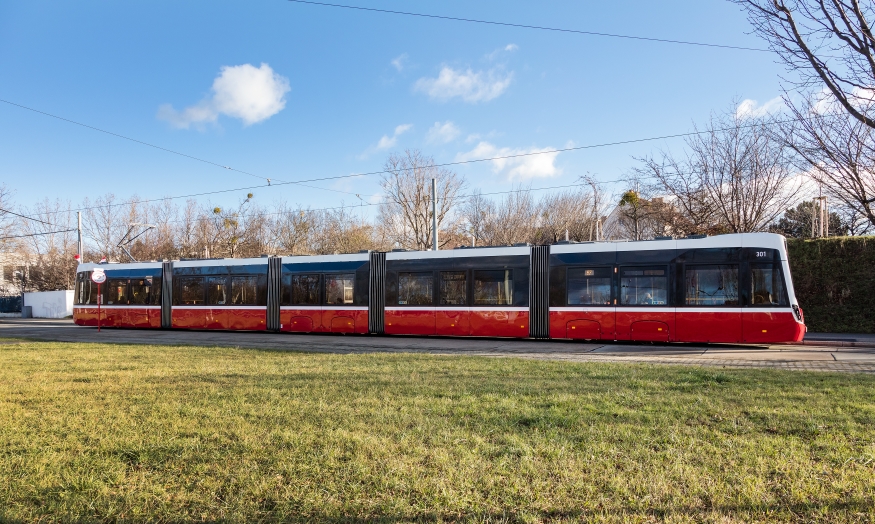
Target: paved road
<point x="858" y="358"/>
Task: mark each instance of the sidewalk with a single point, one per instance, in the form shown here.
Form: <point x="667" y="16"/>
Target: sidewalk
<point x="839" y="339"/>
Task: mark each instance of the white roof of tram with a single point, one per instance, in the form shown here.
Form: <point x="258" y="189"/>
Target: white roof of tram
<point x="750" y="240"/>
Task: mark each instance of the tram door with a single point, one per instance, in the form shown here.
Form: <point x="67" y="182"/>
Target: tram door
<point x="643" y="310"/>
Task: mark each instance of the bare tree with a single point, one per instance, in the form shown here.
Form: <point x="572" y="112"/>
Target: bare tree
<point x="476" y="213"/>
<point x="638" y="216"/>
<point x="106" y="220"/>
<point x="827" y="43"/>
<point x="50" y="246"/>
<point x="7" y="219"/>
<point x="573" y="213"/>
<point x="517" y="217"/>
<point x="510" y="220"/>
<point x="293" y="230"/>
<point x="406" y="212"/>
<point x="692" y="211"/>
<point x="342" y="230"/>
<point x="736" y="176"/>
<point x="836" y="150"/>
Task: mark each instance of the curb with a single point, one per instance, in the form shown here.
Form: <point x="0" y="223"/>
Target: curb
<point x="838" y="343"/>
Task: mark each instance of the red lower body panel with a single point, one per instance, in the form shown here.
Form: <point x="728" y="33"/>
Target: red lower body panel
<point x="732" y="325"/>
<point x="246" y="319"/>
<point x="582" y="323"/>
<point x="646" y="325"/>
<point x="696" y="325"/>
<point x="410" y="321"/>
<point x="118" y="316"/>
<point x="453" y="322"/>
<point x="226" y="318"/>
<point x="764" y="327"/>
<point x="510" y="322"/>
<point x="338" y="319"/>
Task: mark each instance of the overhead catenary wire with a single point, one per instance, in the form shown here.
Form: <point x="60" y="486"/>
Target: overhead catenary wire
<point x="444" y="164"/>
<point x="38" y="234"/>
<point x="28" y="218"/>
<point x="372" y="204"/>
<point x="161" y="148"/>
<point x="364" y="174"/>
<point x="542" y="28"/>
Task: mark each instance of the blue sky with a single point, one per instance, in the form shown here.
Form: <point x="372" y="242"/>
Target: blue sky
<point x="342" y="89"/>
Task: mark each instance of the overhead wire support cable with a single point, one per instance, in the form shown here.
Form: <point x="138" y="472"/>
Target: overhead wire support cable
<point x="27" y="217"/>
<point x="131" y="139"/>
<point x="445" y="164"/>
<point x="527" y="26"/>
<point x="276" y="183"/>
<point x="38" y="234"/>
<point x="192" y="157"/>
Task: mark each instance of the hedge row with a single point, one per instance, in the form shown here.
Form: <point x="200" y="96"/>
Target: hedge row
<point x="834" y="280"/>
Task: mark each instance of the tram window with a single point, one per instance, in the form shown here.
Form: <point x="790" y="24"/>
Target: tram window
<point x="78" y="289"/>
<point x="243" y="290"/>
<point x="192" y="290"/>
<point x="91" y="291"/>
<point x="84" y="288"/>
<point x="116" y="291"/>
<point x="589" y="286"/>
<point x="339" y="288"/>
<point x="140" y="291"/>
<point x="493" y="287"/>
<point x="305" y="289"/>
<point x="415" y="289"/>
<point x="643" y="287"/>
<point x="767" y="285"/>
<point x="711" y="286"/>
<point x="217" y="291"/>
<point x="154" y="290"/>
<point x="454" y="288"/>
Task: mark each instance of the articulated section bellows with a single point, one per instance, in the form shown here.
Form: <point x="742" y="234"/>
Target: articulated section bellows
<point x="274" y="292"/>
<point x="377" y="293"/>
<point x="539" y="296"/>
<point x="166" y="294"/>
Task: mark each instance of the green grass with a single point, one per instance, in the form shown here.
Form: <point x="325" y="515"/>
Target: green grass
<point x="94" y="432"/>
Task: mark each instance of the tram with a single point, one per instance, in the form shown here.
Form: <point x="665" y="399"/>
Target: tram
<point x="733" y="288"/>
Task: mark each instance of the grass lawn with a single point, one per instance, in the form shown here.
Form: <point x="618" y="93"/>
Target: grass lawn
<point x="94" y="432"/>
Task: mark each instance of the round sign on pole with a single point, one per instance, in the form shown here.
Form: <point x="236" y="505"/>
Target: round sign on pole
<point x="98" y="276"/>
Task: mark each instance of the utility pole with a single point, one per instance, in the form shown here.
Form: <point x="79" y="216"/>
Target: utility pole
<point x="79" y="235"/>
<point x="825" y="220"/>
<point x="820" y="209"/>
<point x="434" y="229"/>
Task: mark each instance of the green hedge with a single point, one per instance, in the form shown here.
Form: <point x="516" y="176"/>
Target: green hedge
<point x="834" y="280"/>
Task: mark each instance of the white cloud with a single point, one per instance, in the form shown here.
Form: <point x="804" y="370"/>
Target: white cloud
<point x="386" y="141"/>
<point x="826" y="102"/>
<point x="443" y="132"/>
<point x="252" y="94"/>
<point x="751" y="108"/>
<point x="517" y="167"/>
<point x="400" y="62"/>
<point x="509" y="48"/>
<point x="468" y="85"/>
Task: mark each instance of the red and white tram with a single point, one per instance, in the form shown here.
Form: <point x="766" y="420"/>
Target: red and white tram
<point x="728" y="288"/>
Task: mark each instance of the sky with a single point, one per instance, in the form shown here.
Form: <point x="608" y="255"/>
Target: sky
<point x="292" y="91"/>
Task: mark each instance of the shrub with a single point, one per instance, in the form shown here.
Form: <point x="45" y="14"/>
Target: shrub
<point x="834" y="279"/>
